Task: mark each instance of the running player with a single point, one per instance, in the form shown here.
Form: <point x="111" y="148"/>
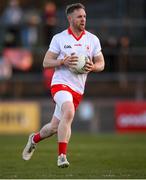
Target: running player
<point x="67" y="88"/>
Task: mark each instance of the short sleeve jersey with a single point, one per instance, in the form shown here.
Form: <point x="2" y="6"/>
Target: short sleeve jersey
<point x="65" y="43"/>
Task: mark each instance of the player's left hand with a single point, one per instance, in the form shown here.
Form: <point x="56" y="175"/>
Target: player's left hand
<point x="89" y="66"/>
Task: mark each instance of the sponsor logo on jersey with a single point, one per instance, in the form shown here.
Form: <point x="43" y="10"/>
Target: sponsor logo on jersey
<point x="77" y="44"/>
<point x="67" y="46"/>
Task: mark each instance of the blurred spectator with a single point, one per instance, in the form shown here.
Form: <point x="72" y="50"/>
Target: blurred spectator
<point x="123" y="59"/>
<point x="5" y="69"/>
<point x="111" y="57"/>
<point x="30" y="29"/>
<point x="12" y="19"/>
<point x="50" y="21"/>
<point x="5" y="75"/>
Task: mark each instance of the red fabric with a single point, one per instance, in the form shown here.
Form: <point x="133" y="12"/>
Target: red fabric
<point x="37" y="138"/>
<point x="62" y="148"/>
<point x="130" y="117"/>
<point x="48" y="74"/>
<point x="76" y="96"/>
<point x="20" y="59"/>
<point x="77" y="38"/>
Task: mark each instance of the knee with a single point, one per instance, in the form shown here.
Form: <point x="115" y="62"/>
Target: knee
<point x="68" y="111"/>
<point x="68" y="114"/>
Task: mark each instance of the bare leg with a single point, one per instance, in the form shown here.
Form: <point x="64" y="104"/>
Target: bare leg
<point x="64" y="132"/>
<point x="50" y="128"/>
<point x="64" y="128"/>
<point x="47" y="131"/>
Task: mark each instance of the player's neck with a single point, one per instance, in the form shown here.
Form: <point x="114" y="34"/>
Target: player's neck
<point x="76" y="32"/>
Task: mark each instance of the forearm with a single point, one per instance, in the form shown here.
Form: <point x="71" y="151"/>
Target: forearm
<point x="52" y="63"/>
<point x="99" y="63"/>
<point x="97" y="67"/>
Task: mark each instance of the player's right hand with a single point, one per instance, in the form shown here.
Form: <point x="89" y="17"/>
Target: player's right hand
<point x="70" y="61"/>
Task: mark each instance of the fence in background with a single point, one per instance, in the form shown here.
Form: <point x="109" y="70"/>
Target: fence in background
<point x="101" y="85"/>
<point x="94" y="115"/>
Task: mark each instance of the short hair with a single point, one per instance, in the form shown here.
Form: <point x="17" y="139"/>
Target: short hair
<point x="70" y="8"/>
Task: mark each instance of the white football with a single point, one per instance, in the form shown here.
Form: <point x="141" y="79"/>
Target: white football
<point x="79" y="68"/>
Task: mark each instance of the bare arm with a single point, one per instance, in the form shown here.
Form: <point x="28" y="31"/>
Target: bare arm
<point x="98" y="64"/>
<point x="51" y="61"/>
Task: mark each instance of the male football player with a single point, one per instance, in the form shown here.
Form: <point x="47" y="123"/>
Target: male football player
<point x="67" y="88"/>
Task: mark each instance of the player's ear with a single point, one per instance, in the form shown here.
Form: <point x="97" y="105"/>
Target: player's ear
<point x="69" y="18"/>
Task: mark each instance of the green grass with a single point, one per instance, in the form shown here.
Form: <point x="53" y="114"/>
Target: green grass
<point x="106" y="156"/>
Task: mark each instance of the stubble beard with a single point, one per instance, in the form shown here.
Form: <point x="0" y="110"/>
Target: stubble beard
<point x="81" y="28"/>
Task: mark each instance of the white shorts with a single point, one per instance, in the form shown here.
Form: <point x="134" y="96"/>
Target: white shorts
<point x="61" y="97"/>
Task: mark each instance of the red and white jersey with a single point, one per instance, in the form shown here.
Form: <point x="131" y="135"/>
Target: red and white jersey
<point x="65" y="43"/>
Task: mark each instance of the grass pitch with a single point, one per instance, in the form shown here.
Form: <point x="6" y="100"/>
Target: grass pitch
<point x="105" y="156"/>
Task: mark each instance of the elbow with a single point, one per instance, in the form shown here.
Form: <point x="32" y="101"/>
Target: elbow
<point x="102" y="67"/>
<point x="98" y="68"/>
<point x="44" y="65"/>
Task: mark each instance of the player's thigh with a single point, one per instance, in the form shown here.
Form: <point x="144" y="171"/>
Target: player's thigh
<point x="64" y="104"/>
<point x="62" y="97"/>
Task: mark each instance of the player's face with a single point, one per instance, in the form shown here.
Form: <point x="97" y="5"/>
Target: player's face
<point x="78" y="19"/>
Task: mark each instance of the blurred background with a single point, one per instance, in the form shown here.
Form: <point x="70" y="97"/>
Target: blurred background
<point x="114" y="99"/>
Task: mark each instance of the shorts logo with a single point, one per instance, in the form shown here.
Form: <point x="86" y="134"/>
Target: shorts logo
<point x="67" y="46"/>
